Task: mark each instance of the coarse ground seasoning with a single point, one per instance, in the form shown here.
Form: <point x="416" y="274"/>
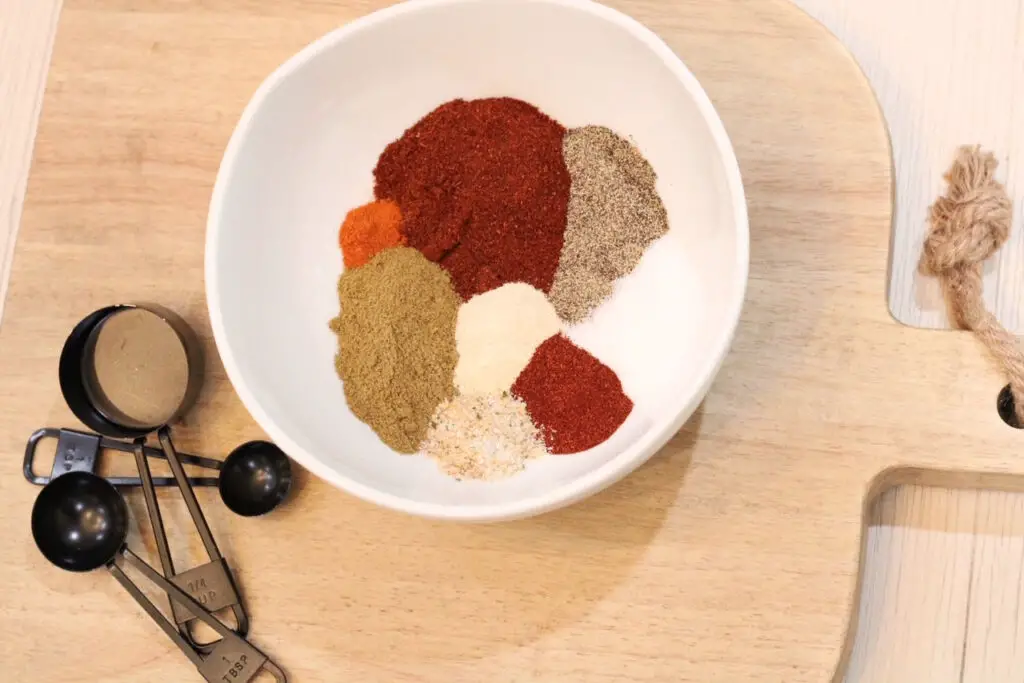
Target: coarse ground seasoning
<point x="576" y="400"/>
<point x="615" y="212"/>
<point x="396" y="343"/>
<point x="484" y="436"/>
<point x="369" y="229"/>
<point x="483" y="190"/>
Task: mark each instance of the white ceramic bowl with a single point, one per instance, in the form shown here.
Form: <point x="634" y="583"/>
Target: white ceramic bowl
<point x="302" y="155"/>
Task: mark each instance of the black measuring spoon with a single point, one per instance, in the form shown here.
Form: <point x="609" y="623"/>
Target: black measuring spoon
<point x="80" y="451"/>
<point x="80" y="523"/>
<point x="127" y="371"/>
<point x="255" y="478"/>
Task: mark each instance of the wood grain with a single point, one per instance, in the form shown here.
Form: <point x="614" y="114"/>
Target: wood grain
<point x="917" y="588"/>
<point x="587" y="556"/>
<point x="704" y="553"/>
<point x="947" y="73"/>
<point x="26" y="37"/>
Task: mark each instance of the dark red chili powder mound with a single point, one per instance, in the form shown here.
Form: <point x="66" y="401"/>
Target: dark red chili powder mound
<point x="484" y="191"/>
<point x="575" y="400"/>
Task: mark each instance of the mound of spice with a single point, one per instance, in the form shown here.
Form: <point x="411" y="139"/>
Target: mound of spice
<point x="483" y="190"/>
<point x="576" y="400"/>
<point x="368" y="230"/>
<point x="483" y="437"/>
<point x="615" y="213"/>
<point x="496" y="335"/>
<point x="396" y="344"/>
<point x="491" y="227"/>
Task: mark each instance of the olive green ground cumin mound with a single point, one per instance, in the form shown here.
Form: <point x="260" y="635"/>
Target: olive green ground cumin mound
<point x="396" y="344"/>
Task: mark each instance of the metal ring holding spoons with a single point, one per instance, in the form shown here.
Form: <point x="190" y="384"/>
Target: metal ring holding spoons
<point x="80" y="523"/>
<point x="127" y="371"/>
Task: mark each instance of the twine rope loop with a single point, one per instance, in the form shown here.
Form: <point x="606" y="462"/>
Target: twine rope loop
<point x="968" y="225"/>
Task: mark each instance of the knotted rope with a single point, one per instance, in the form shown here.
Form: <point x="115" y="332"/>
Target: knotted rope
<point x="968" y="225"/>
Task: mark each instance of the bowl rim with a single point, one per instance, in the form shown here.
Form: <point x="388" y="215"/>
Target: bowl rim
<point x="586" y="484"/>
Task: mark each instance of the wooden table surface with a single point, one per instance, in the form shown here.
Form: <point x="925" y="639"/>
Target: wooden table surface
<point x="957" y="585"/>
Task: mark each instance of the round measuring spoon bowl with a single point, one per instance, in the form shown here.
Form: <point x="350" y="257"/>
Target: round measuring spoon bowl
<point x="255" y="478"/>
<point x="126" y="370"/>
<point x="79" y="521"/>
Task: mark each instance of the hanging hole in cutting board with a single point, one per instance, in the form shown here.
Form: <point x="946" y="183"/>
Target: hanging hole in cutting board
<point x="1006" y="408"/>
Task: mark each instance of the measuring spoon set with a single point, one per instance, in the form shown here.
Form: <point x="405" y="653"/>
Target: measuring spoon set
<point x="129" y="371"/>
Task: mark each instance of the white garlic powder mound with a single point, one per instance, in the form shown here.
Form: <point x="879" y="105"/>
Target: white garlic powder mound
<point x="496" y="335"/>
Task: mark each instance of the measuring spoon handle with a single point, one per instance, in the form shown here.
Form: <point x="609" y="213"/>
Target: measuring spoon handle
<point x="117" y="569"/>
<point x="201" y="461"/>
<point x="153" y="508"/>
<point x="230" y="641"/>
<point x="188" y="494"/>
<point x="81" y="450"/>
<point x="275" y="671"/>
<point x="176" y="593"/>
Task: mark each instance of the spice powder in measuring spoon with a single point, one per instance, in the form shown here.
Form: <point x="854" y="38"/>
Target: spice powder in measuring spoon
<point x="140" y="369"/>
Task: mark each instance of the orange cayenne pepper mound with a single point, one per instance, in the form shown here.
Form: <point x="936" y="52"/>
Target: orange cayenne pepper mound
<point x="370" y="229"/>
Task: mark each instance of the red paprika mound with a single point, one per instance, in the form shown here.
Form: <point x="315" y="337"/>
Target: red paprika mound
<point x="483" y="190"/>
<point x="575" y="400"/>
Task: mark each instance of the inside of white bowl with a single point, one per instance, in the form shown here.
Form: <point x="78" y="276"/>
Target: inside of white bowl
<point x="303" y="156"/>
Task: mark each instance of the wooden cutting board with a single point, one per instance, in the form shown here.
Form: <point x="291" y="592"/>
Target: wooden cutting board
<point x="732" y="556"/>
<point x="940" y="91"/>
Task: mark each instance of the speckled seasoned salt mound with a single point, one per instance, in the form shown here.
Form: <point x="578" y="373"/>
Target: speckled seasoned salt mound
<point x="483" y="437"/>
